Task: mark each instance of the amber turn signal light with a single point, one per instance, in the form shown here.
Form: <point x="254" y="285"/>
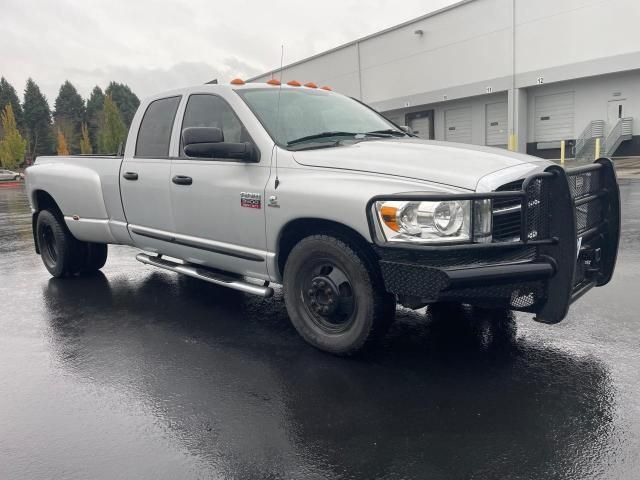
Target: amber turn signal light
<point x="390" y="217"/>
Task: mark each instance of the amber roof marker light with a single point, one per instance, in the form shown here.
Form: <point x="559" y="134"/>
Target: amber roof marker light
<point x="274" y="81"/>
<point x="328" y="89"/>
<point x="310" y="85"/>
<point x="294" y="83"/>
<point x="237" y="81"/>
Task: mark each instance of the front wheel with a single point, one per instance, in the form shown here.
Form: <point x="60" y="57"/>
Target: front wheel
<point x="335" y="296"/>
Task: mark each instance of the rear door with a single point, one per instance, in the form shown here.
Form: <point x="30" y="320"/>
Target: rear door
<point x="219" y="215"/>
<point x="145" y="178"/>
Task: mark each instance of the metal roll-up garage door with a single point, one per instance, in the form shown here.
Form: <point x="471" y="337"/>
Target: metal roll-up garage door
<point x="554" y="117"/>
<point x="496" y="131"/>
<point x="458" y="125"/>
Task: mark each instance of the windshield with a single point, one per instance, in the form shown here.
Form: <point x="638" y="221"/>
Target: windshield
<point x="313" y="116"/>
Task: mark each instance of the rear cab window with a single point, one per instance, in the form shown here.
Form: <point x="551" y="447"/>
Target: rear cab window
<point x="154" y="134"/>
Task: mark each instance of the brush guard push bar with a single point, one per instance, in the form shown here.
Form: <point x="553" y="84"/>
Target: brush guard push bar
<point x="568" y="244"/>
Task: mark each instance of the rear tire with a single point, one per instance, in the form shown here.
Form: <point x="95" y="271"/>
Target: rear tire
<point x="95" y="258"/>
<point x="60" y="251"/>
<point x="335" y="295"/>
<point x="62" y="254"/>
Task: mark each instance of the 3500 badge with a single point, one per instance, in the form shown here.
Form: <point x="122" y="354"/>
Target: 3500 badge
<point x="250" y="200"/>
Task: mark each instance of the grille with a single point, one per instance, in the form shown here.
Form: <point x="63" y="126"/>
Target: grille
<point x="591" y="213"/>
<point x="507" y="215"/>
<point x="538" y="210"/>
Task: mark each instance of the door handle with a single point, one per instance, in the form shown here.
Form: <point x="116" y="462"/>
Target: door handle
<point x="130" y="175"/>
<point x="182" y="180"/>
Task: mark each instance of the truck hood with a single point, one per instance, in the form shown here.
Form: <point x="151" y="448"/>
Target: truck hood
<point x="457" y="165"/>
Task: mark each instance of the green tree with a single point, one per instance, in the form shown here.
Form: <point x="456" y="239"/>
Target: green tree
<point x="95" y="104"/>
<point x="37" y="122"/>
<point x="8" y="96"/>
<point x="113" y="131"/>
<point x="12" y="145"/>
<point x="62" y="147"/>
<point x="69" y="114"/>
<point x="85" y="141"/>
<point x="126" y="101"/>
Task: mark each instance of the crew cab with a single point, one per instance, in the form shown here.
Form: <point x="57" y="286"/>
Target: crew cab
<point x="245" y="185"/>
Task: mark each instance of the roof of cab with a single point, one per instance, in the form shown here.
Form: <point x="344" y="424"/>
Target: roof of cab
<point x="220" y="87"/>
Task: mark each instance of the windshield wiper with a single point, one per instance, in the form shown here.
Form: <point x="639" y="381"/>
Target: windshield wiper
<point x="321" y="135"/>
<point x="388" y="131"/>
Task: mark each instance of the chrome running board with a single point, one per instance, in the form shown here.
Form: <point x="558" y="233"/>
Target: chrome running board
<point x="206" y="274"/>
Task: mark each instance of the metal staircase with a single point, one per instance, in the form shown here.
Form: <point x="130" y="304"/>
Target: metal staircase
<point x="585" y="143"/>
<point x="622" y="131"/>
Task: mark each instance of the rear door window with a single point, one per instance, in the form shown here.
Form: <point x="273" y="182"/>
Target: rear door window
<point x="154" y="135"/>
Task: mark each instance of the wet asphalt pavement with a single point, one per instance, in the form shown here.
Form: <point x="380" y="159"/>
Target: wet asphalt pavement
<point x="137" y="373"/>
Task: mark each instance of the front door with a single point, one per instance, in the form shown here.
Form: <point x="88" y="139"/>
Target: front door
<point x="615" y="111"/>
<point x="145" y="178"/>
<point x="219" y="215"/>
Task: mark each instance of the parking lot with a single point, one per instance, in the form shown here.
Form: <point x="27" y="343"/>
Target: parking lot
<point x="137" y="373"/>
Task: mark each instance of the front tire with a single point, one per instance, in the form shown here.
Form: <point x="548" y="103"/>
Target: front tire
<point x="335" y="295"/>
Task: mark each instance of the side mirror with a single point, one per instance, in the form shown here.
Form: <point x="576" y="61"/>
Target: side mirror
<point x="405" y="129"/>
<point x="208" y="142"/>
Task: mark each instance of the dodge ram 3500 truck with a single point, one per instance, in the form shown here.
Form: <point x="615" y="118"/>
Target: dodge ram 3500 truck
<point x="241" y="185"/>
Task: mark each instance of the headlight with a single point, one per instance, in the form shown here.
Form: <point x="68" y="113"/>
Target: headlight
<point x="425" y="222"/>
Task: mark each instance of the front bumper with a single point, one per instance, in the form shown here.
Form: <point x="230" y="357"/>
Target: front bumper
<point x="569" y="234"/>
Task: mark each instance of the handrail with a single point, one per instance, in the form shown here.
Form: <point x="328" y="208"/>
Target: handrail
<point x="593" y="130"/>
<point x="621" y="131"/>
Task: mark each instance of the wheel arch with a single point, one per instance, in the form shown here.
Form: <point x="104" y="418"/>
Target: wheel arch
<point x="300" y="228"/>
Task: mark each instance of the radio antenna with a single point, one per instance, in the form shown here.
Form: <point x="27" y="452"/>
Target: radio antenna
<point x="277" y="182"/>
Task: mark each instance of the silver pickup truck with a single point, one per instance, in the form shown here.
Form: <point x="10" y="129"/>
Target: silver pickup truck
<point x="244" y="185"/>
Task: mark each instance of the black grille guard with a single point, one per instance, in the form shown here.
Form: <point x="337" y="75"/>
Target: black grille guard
<point x="572" y="219"/>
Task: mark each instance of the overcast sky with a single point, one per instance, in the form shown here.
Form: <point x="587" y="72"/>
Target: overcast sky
<point x="155" y="45"/>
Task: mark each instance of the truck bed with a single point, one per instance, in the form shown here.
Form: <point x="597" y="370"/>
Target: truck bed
<point x="86" y="188"/>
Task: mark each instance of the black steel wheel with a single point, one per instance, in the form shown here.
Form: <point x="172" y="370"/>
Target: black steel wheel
<point x="335" y="296"/>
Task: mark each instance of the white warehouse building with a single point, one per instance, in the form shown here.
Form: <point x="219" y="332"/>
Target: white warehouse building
<point x="519" y="74"/>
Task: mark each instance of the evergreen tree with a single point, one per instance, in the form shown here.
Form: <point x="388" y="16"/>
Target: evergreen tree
<point x="126" y="101"/>
<point x="85" y="142"/>
<point x="69" y="114"/>
<point x="95" y="104"/>
<point x="37" y="122"/>
<point x="62" y="147"/>
<point x="113" y="131"/>
<point x="12" y="145"/>
<point x="8" y="96"/>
